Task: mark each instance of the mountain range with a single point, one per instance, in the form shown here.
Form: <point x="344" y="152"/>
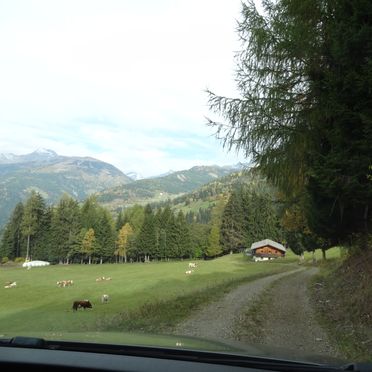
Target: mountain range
<point x="52" y="175"/>
<point x="161" y="188"/>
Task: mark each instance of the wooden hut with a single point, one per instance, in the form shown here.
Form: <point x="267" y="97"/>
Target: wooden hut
<point x="266" y="250"/>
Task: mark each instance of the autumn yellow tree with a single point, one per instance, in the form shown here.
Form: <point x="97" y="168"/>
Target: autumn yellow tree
<point x="88" y="244"/>
<point x="122" y="242"/>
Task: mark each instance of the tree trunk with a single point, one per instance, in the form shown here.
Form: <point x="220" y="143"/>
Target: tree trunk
<point x="28" y="248"/>
<point x="101" y="261"/>
<point x="89" y="260"/>
<point x="125" y="258"/>
<point x="18" y="244"/>
<point x="324" y="254"/>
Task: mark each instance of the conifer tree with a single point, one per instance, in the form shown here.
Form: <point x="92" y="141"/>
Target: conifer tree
<point x="31" y="221"/>
<point x="65" y="226"/>
<point x="303" y="114"/>
<point x="146" y="240"/>
<point x="12" y="242"/>
<point x="233" y="229"/>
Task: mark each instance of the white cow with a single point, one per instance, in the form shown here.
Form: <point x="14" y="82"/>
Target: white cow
<point x="192" y="265"/>
<point x="188" y="272"/>
<point x="11" y="285"/>
<point x="105" y="298"/>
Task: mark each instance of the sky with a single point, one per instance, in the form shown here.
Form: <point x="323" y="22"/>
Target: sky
<point x="122" y="81"/>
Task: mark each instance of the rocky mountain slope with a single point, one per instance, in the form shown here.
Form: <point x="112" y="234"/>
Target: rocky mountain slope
<point x="52" y="175"/>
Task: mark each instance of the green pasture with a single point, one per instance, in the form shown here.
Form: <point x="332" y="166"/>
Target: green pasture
<point x="331" y="254"/>
<point x="37" y="304"/>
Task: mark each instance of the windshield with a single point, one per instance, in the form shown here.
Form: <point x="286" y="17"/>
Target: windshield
<point x="188" y="174"/>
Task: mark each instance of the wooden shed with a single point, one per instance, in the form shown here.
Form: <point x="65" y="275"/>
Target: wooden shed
<point x="266" y="250"/>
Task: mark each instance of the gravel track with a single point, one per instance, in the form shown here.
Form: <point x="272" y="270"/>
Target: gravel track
<point x="288" y="321"/>
<point x="218" y="319"/>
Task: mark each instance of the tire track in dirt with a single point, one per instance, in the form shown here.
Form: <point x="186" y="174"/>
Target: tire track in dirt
<point x="287" y="322"/>
<point x="218" y="319"/>
<point x="287" y="319"/>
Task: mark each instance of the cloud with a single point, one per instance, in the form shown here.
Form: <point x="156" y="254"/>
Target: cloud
<point x="121" y="81"/>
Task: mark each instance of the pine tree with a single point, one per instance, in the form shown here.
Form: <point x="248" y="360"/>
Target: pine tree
<point x="42" y="242"/>
<point x="304" y="112"/>
<point x="105" y="235"/>
<point x="121" y="220"/>
<point x="65" y="226"/>
<point x="214" y="248"/>
<point x="232" y="224"/>
<point x="12" y="240"/>
<point x="262" y="221"/>
<point x="184" y="239"/>
<point x="146" y="240"/>
<point x="32" y="217"/>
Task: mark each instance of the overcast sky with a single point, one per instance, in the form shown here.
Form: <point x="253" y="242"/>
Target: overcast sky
<point x="122" y="81"/>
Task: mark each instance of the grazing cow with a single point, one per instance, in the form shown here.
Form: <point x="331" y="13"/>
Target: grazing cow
<point x="188" y="272"/>
<point x="102" y="278"/>
<point x="105" y="298"/>
<point x="65" y="283"/>
<point x="10" y="285"/>
<point x="85" y="304"/>
<point x="192" y="264"/>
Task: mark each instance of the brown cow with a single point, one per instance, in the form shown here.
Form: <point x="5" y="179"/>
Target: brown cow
<point x="85" y="304"/>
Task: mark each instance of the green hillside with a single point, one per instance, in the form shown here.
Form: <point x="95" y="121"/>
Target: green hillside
<point x="161" y="189"/>
<point x="78" y="177"/>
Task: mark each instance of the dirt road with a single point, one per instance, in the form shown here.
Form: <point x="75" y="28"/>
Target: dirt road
<point x="284" y="318"/>
<point x="218" y="320"/>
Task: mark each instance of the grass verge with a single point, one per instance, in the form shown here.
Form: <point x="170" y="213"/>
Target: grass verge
<point x="342" y="296"/>
<point x="162" y="316"/>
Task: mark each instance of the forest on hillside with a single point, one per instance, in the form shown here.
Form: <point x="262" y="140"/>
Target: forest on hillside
<point x="69" y="232"/>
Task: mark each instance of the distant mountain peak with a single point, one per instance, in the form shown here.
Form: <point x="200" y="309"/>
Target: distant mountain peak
<point x="134" y="176"/>
<point x="44" y="151"/>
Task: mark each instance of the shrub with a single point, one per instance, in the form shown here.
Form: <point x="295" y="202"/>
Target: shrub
<point x="4" y="260"/>
<point x="19" y="260"/>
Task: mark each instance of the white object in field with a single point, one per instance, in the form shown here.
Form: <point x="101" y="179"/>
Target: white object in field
<point x="35" y="263"/>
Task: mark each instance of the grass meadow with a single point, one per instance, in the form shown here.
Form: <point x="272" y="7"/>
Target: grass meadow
<point x="143" y="296"/>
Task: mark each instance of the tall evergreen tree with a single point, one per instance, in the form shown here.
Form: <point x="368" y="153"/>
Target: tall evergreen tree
<point x="304" y="115"/>
<point x="262" y="220"/>
<point x="42" y="241"/>
<point x="184" y="238"/>
<point x="32" y="219"/>
<point x="233" y="229"/>
<point x="146" y="240"/>
<point x="65" y="226"/>
<point x="105" y="235"/>
<point x="214" y="248"/>
<point x="12" y="242"/>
